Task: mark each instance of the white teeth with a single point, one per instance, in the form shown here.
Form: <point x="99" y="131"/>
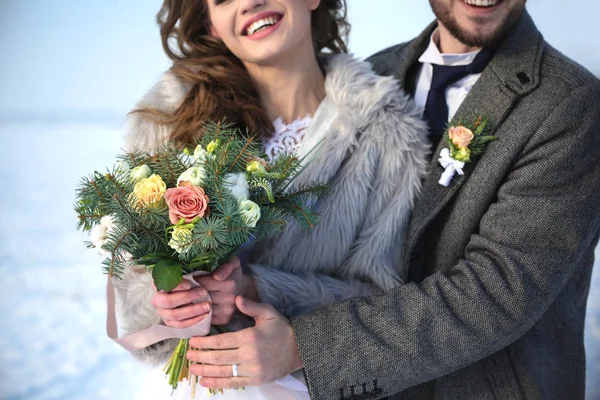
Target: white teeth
<point x="482" y="3"/>
<point x="262" y="23"/>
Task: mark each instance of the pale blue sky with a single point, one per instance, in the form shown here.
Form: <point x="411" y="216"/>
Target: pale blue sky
<point x="94" y="58"/>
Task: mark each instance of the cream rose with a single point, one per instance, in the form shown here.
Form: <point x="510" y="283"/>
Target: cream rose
<point x="199" y="155"/>
<point x="460" y="136"/>
<point x="181" y="239"/>
<point x="149" y="191"/>
<point x="250" y="212"/>
<point x="140" y="172"/>
<point x="193" y="175"/>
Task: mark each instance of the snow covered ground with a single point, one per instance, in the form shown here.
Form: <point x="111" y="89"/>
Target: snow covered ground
<point x="53" y="343"/>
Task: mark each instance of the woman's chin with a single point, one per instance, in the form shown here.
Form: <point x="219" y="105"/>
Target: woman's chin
<point x="269" y="57"/>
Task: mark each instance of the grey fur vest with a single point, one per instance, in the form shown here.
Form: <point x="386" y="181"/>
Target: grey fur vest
<point x="373" y="159"/>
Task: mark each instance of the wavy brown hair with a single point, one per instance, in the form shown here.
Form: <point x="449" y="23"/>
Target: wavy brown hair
<point x="220" y="86"/>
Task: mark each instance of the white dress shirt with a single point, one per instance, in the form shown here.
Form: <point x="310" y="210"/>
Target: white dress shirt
<point x="455" y="93"/>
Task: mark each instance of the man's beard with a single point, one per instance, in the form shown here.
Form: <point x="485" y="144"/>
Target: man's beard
<point x="443" y="13"/>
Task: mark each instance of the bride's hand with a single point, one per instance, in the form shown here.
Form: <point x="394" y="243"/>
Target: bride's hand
<point x="177" y="308"/>
<point x="227" y="282"/>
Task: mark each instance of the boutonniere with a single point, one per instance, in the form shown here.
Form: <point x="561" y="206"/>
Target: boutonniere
<point x="464" y="141"/>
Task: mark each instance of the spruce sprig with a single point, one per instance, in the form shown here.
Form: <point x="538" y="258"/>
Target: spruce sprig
<point x="273" y="220"/>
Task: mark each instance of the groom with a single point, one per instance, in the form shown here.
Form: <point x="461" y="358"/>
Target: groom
<point x="499" y="261"/>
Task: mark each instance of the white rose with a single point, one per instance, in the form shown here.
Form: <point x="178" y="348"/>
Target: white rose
<point x="140" y="172"/>
<point x="181" y="239"/>
<point x="199" y="154"/>
<point x="250" y="212"/>
<point x="194" y="175"/>
<point x="238" y="185"/>
<point x="187" y="158"/>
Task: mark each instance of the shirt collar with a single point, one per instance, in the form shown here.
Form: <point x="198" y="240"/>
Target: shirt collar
<point x="433" y="56"/>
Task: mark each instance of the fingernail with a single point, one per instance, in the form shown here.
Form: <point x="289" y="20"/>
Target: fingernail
<point x="206" y="307"/>
<point x="202" y="292"/>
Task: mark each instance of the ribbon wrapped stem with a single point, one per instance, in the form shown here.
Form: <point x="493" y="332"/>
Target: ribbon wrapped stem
<point x="451" y="167"/>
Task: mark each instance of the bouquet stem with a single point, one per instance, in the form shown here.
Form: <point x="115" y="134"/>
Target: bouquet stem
<point x="178" y="367"/>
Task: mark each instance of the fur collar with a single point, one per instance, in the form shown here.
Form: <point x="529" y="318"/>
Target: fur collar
<point x="345" y="77"/>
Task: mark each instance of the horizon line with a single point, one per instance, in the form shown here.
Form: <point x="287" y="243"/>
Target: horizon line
<point x="103" y="118"/>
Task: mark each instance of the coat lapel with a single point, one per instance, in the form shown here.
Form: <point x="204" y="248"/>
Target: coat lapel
<point x="513" y="72"/>
<point x="405" y="58"/>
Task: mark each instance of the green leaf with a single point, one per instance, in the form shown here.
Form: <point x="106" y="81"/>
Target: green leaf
<point x="151" y="259"/>
<point x="486" y="139"/>
<point x="167" y="274"/>
<point x="155" y="256"/>
<point x="481" y="127"/>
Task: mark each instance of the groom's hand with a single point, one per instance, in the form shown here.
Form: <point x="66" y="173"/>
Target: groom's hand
<point x="263" y="353"/>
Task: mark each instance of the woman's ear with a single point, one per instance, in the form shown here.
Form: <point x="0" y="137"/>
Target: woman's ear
<point x="313" y="4"/>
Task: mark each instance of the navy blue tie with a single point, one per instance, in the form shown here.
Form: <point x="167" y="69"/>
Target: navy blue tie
<point x="436" y="108"/>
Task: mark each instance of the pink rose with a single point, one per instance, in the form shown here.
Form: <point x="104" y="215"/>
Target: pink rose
<point x="460" y="136"/>
<point x="186" y="202"/>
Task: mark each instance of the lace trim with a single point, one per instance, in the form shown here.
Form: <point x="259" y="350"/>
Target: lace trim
<point x="286" y="138"/>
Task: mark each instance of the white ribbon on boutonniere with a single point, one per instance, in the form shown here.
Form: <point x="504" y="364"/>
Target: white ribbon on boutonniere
<point x="464" y="141"/>
<point x="451" y="167"/>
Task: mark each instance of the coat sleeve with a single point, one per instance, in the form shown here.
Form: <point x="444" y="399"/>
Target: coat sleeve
<point x="296" y="294"/>
<point x="542" y="228"/>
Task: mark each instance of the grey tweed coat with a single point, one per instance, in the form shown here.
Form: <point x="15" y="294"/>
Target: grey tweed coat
<point x="373" y="159"/>
<point x="498" y="264"/>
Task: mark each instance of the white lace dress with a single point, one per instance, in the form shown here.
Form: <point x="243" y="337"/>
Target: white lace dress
<point x="286" y="138"/>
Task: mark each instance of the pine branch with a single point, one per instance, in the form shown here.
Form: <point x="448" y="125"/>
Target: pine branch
<point x="272" y="222"/>
<point x="285" y="164"/>
<point x="93" y="183"/>
<point x="172" y="178"/>
<point x="114" y="267"/>
<point x="247" y="148"/>
<point x="304" y="193"/>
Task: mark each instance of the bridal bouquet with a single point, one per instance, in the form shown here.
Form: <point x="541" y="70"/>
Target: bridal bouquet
<point x="179" y="212"/>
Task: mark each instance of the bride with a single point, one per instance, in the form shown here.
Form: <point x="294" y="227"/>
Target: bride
<point x="277" y="67"/>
